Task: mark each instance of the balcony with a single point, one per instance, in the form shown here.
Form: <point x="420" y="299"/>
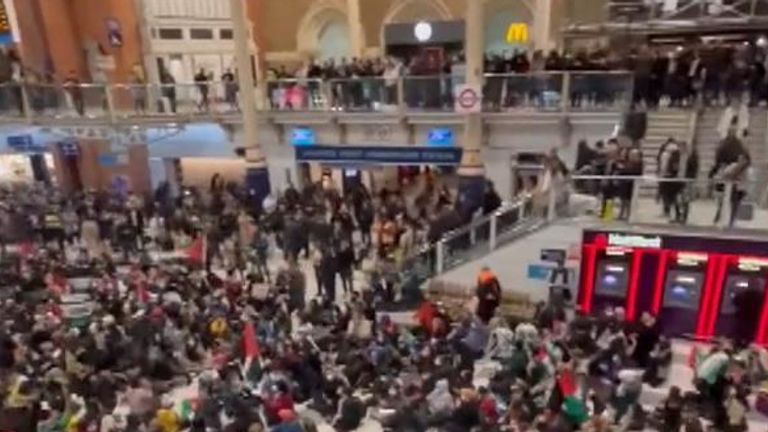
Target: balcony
<point x="418" y="98"/>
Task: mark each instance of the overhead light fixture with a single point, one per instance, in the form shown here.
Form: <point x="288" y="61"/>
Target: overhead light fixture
<point x="423" y="31"/>
<point x="762" y="41"/>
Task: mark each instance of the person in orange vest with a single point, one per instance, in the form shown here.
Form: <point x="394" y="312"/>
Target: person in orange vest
<point x="488" y="294"/>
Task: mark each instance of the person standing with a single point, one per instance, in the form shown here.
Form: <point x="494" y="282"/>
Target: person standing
<point x="732" y="160"/>
<point x="230" y="89"/>
<point x="488" y="294"/>
<point x="201" y="80"/>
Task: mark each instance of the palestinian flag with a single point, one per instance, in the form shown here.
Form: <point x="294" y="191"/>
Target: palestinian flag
<point x="573" y="407"/>
<point x="251" y="348"/>
<point x="187" y="409"/>
<point x="196" y="251"/>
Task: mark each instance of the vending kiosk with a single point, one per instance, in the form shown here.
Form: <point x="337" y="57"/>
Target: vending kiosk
<point x="695" y="284"/>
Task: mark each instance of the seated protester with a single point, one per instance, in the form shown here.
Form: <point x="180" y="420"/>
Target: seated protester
<point x="465" y="416"/>
<point x="351" y="411"/>
<point x="672" y="410"/>
<point x="440" y="402"/>
<point x="489" y="415"/>
<point x="288" y="422"/>
<point x="501" y="342"/>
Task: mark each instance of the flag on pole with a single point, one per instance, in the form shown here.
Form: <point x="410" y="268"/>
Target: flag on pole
<point x="251" y="348"/>
<point x="196" y="251"/>
<point x="573" y="407"/>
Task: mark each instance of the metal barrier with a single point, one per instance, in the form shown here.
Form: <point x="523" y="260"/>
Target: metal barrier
<point x="544" y="91"/>
<point x="702" y="203"/>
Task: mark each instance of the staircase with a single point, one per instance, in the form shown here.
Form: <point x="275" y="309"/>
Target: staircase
<point x="708" y="139"/>
<point x="662" y="125"/>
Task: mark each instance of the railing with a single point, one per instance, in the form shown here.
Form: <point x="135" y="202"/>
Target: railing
<point x="698" y="203"/>
<point x="545" y="91"/>
<point x="480" y="237"/>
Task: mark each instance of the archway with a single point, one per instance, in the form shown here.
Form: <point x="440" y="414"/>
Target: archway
<point x="333" y="41"/>
<point x="408" y="11"/>
<point x="499" y="14"/>
<point x="323" y="31"/>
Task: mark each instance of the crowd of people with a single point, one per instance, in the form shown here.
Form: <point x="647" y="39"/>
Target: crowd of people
<point x="677" y="171"/>
<point x="183" y="323"/>
<point x="173" y="284"/>
<point x="715" y="73"/>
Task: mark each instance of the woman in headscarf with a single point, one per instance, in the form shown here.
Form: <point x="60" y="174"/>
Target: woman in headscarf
<point x="440" y="401"/>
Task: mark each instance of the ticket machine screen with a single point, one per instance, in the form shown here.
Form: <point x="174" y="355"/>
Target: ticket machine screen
<point x="612" y="278"/>
<point x="737" y="284"/>
<point x="683" y="289"/>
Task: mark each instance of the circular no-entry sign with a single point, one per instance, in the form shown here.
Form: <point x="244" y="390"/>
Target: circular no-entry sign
<point x="468" y="98"/>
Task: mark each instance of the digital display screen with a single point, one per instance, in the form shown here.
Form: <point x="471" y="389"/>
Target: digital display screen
<point x="612" y="278"/>
<point x="303" y="137"/>
<point x="440" y="137"/>
<point x="683" y="289"/>
<point x="735" y="285"/>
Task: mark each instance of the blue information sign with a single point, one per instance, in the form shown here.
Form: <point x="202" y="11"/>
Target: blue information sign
<point x="380" y="155"/>
<point x="302" y="136"/>
<point x="441" y="137"/>
<point x="24" y="144"/>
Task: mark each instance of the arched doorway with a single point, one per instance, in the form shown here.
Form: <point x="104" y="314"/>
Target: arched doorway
<point x="333" y="41"/>
<point x="323" y="31"/>
<point x="410" y="11"/>
<point x="499" y="15"/>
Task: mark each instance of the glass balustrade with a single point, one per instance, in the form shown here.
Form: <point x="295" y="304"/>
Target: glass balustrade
<point x="543" y="91"/>
<point x="536" y="91"/>
<point x="591" y="91"/>
<point x="696" y="203"/>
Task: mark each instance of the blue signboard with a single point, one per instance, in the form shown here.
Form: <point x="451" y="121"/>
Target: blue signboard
<point x="24" y="144"/>
<point x="441" y="137"/>
<point x="380" y="155"/>
<point x="539" y="272"/>
<point x="302" y="136"/>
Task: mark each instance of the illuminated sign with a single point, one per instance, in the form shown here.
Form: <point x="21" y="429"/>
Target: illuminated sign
<point x="423" y="31"/>
<point x="752" y="264"/>
<point x="301" y="136"/>
<point x="5" y="22"/>
<point x="517" y="33"/>
<point x="690" y="259"/>
<point x="634" y="241"/>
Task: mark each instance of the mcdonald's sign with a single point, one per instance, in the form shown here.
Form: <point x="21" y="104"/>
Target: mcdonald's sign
<point x="5" y="22"/>
<point x="517" y="33"/>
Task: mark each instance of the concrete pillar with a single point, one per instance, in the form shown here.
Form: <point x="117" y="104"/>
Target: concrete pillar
<point x="356" y="31"/>
<point x="145" y="42"/>
<point x="255" y="13"/>
<point x="542" y="25"/>
<point x="472" y="170"/>
<point x="256" y="174"/>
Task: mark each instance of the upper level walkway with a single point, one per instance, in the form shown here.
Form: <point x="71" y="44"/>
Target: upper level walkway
<point x="431" y="97"/>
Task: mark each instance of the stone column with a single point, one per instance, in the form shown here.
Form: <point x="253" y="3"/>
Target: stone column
<point x="542" y="25"/>
<point x="472" y="170"/>
<point x="356" y="33"/>
<point x="256" y="174"/>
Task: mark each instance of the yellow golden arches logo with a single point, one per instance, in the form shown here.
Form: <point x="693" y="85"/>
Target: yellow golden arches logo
<point x="517" y="33"/>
